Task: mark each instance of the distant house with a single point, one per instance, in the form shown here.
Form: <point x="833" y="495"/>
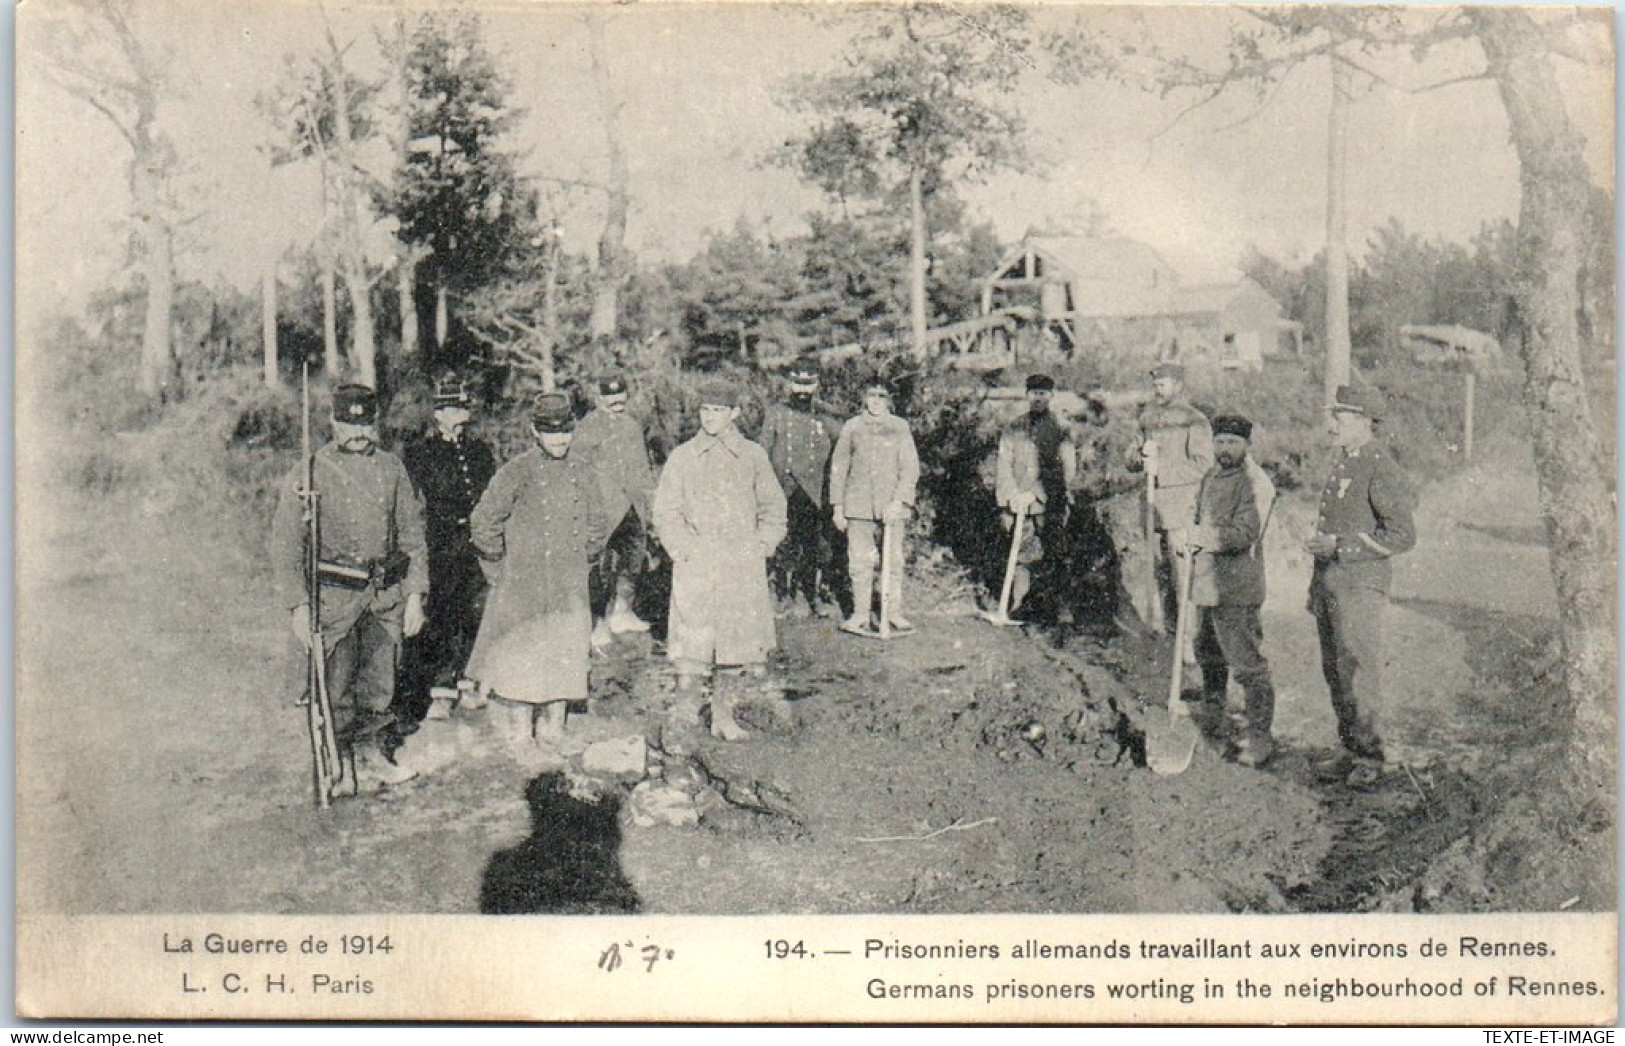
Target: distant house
<point x="1119" y="297"/>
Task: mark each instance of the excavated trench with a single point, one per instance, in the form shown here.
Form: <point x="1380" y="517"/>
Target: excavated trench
<point x="972" y="700"/>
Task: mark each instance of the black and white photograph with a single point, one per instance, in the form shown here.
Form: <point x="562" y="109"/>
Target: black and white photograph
<point x="844" y="512"/>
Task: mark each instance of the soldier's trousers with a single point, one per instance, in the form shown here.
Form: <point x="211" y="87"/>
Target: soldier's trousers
<point x="625" y="556"/>
<point x="863" y="537"/>
<point x="804" y="553"/>
<point x="437" y="655"/>
<point x="1349" y="619"/>
<point x="1229" y="643"/>
<point x="361" y="635"/>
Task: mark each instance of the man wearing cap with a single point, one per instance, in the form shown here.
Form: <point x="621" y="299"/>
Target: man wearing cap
<point x="1177" y="449"/>
<point x="1036" y="468"/>
<point x="1227" y="583"/>
<point x="537" y="529"/>
<point x="872" y="479"/>
<point x="720" y="512"/>
<point x="1365" y="520"/>
<point x="450" y="469"/>
<point x="799" y="439"/>
<point x="372" y="575"/>
<point x="611" y="442"/>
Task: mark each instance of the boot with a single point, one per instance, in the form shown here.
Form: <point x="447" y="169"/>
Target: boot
<point x="857" y="624"/>
<point x="470" y="695"/>
<point x="550" y="721"/>
<point x="1258" y="747"/>
<point x="723" y="725"/>
<point x="374" y="772"/>
<point x="1257" y="750"/>
<point x="621" y="619"/>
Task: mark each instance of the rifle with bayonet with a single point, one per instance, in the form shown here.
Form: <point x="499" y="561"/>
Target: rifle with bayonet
<point x="325" y="756"/>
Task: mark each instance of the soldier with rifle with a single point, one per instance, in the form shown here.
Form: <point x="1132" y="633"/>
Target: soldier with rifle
<point x="350" y="561"/>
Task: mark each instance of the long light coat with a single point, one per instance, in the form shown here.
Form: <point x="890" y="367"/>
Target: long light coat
<point x="536" y="528"/>
<point x="720" y="512"/>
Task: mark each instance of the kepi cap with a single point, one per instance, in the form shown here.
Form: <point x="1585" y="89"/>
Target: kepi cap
<point x="611" y="384"/>
<point x="551" y="413"/>
<point x="1353" y="399"/>
<point x="1040" y="383"/>
<point x="355" y="405"/>
<point x="802" y="374"/>
<point x="451" y="392"/>
<point x="718" y="393"/>
<point x="1232" y="425"/>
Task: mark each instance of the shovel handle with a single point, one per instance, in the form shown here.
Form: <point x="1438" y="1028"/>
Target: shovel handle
<point x="1182" y="625"/>
<point x="1010" y="566"/>
<point x="886" y="531"/>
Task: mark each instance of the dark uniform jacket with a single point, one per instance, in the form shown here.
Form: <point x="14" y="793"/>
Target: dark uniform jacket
<point x="369" y="509"/>
<point x="451" y="476"/>
<point x="799" y="444"/>
<point x="1229" y="570"/>
<point x="1367" y="504"/>
<point x="613" y="445"/>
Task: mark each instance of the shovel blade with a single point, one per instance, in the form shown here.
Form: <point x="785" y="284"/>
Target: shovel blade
<point x="1170" y="743"/>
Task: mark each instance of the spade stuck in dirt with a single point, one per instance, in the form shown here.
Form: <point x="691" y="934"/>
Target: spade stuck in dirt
<point x="1001" y="616"/>
<point x="1170" y="745"/>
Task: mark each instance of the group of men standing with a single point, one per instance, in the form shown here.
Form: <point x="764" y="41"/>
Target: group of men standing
<point x="1211" y="504"/>
<point x="493" y="586"/>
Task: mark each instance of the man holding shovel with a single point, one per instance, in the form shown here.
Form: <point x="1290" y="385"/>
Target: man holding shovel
<point x="872" y="479"/>
<point x="1037" y="464"/>
<point x="1227" y="583"/>
<point x="1176" y="452"/>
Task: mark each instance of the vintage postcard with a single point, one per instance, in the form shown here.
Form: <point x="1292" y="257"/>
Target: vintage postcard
<point x="756" y="512"/>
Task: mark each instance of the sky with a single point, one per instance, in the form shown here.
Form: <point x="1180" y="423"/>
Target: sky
<point x="700" y="83"/>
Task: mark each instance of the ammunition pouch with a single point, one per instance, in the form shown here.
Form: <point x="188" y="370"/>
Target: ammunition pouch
<point x="384" y="571"/>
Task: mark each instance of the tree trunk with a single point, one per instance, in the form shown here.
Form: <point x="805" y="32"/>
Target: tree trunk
<point x="550" y="313"/>
<point x="330" y="317"/>
<point x="268" y="323"/>
<point x="363" y="342"/>
<point x="916" y="261"/>
<point x="605" y="318"/>
<point x="1337" y="239"/>
<point x="406" y="275"/>
<point x="158" y="268"/>
<point x="442" y="317"/>
<point x="157" y="348"/>
<point x="1572" y="466"/>
<point x="352" y="200"/>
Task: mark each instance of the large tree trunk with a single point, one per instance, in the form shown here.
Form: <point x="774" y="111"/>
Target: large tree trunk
<point x="268" y="324"/>
<point x="363" y="342"/>
<point x="605" y="318"/>
<point x="916" y="261"/>
<point x="1569" y="459"/>
<point x="550" y="314"/>
<point x="330" y="317"/>
<point x="406" y="276"/>
<point x="157" y="339"/>
<point x="442" y="317"/>
<point x="353" y="221"/>
<point x="1337" y="237"/>
<point x="158" y="269"/>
